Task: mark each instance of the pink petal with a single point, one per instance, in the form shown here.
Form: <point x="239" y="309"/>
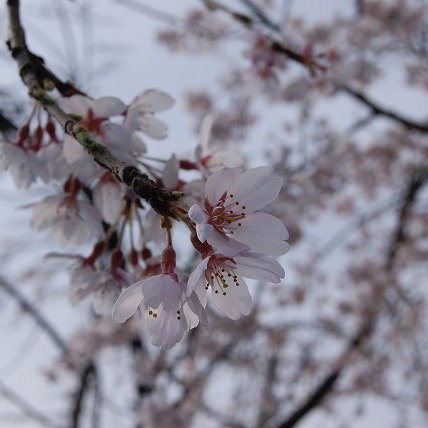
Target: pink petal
<point x="197" y="277"/>
<point x="166" y="330"/>
<point x="256" y="188"/>
<point x="127" y="303"/>
<point x="108" y="106"/>
<point x="236" y="302"/>
<point x="153" y="101"/>
<point x="162" y="289"/>
<point x="263" y="233"/>
<point x="259" y="268"/>
<point x="76" y="104"/>
<point x="170" y="173"/>
<point x="153" y="127"/>
<point x="219" y="183"/>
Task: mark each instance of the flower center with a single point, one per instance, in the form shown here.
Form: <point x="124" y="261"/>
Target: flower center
<point x="227" y="212"/>
<point x="219" y="277"/>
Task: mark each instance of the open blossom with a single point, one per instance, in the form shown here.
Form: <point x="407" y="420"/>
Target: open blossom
<point x="168" y="313"/>
<point x="223" y="275"/>
<point x="67" y="218"/>
<point x="169" y="310"/>
<point x="231" y="221"/>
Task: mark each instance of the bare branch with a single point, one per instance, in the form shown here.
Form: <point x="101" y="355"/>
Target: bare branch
<point x="26" y="408"/>
<point x="276" y="46"/>
<point x="34" y="313"/>
<point x="376" y="109"/>
<point x="326" y="386"/>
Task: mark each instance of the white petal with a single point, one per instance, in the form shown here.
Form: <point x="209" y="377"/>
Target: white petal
<point x="153" y="101"/>
<point x="205" y="130"/>
<point x="153" y="127"/>
<point x="170" y="173"/>
<point x="219" y="183"/>
<point x="263" y="233"/>
<point x="259" y="268"/>
<point x="108" y="106"/>
<point x="196" y="307"/>
<point x="76" y="104"/>
<point x="197" y="278"/>
<point x="236" y="302"/>
<point x="72" y="149"/>
<point x="108" y="198"/>
<point x="127" y="303"/>
<point x="196" y="214"/>
<point x="166" y="329"/>
<point x="225" y="245"/>
<point x="204" y="231"/>
<point x="256" y="188"/>
<point x="162" y="289"/>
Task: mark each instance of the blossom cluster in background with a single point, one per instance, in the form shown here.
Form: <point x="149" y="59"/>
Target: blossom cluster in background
<point x="226" y="226"/>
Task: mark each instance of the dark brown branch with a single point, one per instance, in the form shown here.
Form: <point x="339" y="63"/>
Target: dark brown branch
<point x="261" y="16"/>
<point x="88" y="375"/>
<point x="34" y="75"/>
<point x="245" y="20"/>
<point x="34" y="313"/>
<point x="26" y="409"/>
<point x="417" y="180"/>
<point x="326" y="386"/>
<point x="376" y="109"/>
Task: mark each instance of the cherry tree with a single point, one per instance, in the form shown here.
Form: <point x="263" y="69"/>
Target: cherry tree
<point x="193" y="310"/>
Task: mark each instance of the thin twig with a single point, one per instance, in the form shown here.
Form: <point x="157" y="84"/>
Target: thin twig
<point x="26" y="408"/>
<point x="325" y="387"/>
<point x="275" y="45"/>
<point x="376" y="109"/>
<point x="28" y="307"/>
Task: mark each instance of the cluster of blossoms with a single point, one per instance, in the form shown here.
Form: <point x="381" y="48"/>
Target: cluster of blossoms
<point x="234" y="240"/>
<point x="221" y="208"/>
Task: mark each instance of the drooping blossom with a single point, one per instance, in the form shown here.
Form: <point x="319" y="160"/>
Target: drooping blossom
<point x="169" y="311"/>
<point x="231" y="221"/>
<point x="67" y="218"/>
<point x="25" y="166"/>
<point x="224" y="276"/>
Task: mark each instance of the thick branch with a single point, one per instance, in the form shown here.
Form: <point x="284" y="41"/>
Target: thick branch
<point x="376" y="109"/>
<point x="34" y="76"/>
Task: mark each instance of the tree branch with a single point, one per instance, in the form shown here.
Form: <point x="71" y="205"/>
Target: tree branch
<point x="378" y="110"/>
<point x="417" y="180"/>
<point x="276" y="46"/>
<point x="34" y="313"/>
<point x="87" y="375"/>
<point x="26" y="408"/>
<point x="329" y="382"/>
<point x="36" y="77"/>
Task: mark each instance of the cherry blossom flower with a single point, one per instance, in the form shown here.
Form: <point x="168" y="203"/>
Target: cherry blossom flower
<point x="140" y="113"/>
<point x="231" y="221"/>
<point x="67" y="218"/>
<point x="223" y="275"/>
<point x="24" y="166"/>
<point x="168" y="313"/>
<point x="169" y="310"/>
